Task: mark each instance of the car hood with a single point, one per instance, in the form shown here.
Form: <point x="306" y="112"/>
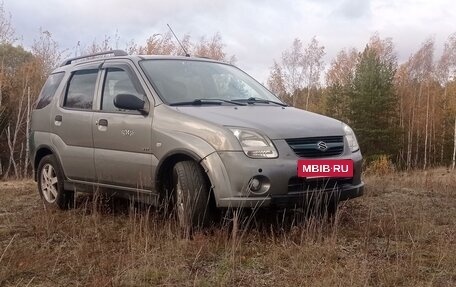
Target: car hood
<point x="274" y="121"/>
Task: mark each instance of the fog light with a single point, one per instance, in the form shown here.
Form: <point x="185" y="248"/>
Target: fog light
<point x="255" y="184"/>
<point x="259" y="184"/>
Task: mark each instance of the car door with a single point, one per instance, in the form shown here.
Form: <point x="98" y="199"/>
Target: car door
<point x="122" y="139"/>
<point x="72" y="124"/>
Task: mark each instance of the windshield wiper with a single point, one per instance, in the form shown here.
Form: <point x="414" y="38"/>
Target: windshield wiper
<point x="261" y="101"/>
<point x="199" y="102"/>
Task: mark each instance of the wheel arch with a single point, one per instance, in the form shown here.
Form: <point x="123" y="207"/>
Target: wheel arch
<point x="164" y="167"/>
<point x="41" y="152"/>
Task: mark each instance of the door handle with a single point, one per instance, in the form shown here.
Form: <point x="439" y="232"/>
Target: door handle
<point x="103" y="122"/>
<point x="58" y="120"/>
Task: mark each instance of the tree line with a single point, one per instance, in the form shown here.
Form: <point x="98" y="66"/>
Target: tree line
<point x="405" y="112"/>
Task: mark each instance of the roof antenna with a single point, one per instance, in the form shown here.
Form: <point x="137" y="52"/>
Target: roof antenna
<point x="182" y="46"/>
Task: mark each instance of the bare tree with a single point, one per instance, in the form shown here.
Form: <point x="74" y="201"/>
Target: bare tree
<point x="422" y="69"/>
<point x="446" y="72"/>
<point x="12" y="136"/>
<point x="301" y="68"/>
<point x="384" y="48"/>
<point x="47" y="51"/>
<point x="443" y="77"/>
<point x="312" y="66"/>
<point x="27" y="134"/>
<point x="213" y="48"/>
<point x="413" y="83"/>
<point x="292" y="69"/>
<point x="7" y="33"/>
<point x="342" y="68"/>
<point x="276" y="82"/>
<point x="159" y="44"/>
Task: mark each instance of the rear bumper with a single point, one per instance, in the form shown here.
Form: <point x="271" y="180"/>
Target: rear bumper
<point x="296" y="199"/>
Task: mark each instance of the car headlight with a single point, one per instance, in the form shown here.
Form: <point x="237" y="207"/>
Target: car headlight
<point x="253" y="144"/>
<point x="351" y="138"/>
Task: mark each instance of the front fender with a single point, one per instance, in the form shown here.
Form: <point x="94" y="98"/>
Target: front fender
<point x="217" y="174"/>
<point x="167" y="142"/>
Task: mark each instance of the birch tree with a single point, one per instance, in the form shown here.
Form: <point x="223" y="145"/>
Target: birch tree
<point x="276" y="83"/>
<point x="446" y="74"/>
<point x="300" y="68"/>
<point x="312" y="66"/>
<point x="339" y="80"/>
<point x="420" y="72"/>
<point x="292" y="69"/>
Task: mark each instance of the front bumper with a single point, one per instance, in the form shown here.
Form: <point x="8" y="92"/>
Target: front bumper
<point x="231" y="171"/>
<point x="296" y="199"/>
<point x="300" y="198"/>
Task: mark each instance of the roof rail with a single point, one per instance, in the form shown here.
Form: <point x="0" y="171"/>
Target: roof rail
<point x="114" y="52"/>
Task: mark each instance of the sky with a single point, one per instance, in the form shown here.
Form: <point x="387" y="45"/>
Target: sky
<point x="256" y="32"/>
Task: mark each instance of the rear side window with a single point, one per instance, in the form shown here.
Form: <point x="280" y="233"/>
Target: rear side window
<point x="81" y="89"/>
<point x="49" y="89"/>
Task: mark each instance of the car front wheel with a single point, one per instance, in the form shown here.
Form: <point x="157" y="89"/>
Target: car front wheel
<point x="191" y="195"/>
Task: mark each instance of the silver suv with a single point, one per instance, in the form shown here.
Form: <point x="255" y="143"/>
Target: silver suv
<point x="192" y="130"/>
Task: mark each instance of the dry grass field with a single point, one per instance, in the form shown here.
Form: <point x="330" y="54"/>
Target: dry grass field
<point x="401" y="233"/>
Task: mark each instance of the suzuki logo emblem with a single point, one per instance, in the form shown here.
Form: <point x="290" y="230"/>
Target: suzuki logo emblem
<point x="322" y="146"/>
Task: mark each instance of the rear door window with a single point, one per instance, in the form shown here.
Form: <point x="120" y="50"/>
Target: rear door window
<point x="81" y="90"/>
<point x="49" y="89"/>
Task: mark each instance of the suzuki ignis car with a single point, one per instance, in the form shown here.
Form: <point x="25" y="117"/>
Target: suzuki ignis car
<point x="194" y="131"/>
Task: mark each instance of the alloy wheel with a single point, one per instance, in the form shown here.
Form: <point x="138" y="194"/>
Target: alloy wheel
<point x="49" y="183"/>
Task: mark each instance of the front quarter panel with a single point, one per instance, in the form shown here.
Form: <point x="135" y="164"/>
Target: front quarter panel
<point x="167" y="142"/>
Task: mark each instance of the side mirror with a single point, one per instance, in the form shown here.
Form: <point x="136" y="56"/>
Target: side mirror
<point x="128" y="102"/>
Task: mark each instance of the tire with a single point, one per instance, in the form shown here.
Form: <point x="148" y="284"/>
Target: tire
<point x="51" y="184"/>
<point x="191" y="196"/>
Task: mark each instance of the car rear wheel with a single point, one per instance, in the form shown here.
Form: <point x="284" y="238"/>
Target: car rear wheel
<point x="50" y="184"/>
<point x="191" y="196"/>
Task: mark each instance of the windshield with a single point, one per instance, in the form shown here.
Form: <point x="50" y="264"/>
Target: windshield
<point x="179" y="81"/>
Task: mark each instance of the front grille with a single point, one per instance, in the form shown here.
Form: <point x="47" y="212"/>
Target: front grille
<point x="308" y="147"/>
<point x="299" y="184"/>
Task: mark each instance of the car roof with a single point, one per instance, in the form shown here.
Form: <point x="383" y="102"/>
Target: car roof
<point x="70" y="63"/>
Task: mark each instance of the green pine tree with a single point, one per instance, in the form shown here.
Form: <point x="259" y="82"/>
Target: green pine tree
<point x="337" y="102"/>
<point x="374" y="106"/>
